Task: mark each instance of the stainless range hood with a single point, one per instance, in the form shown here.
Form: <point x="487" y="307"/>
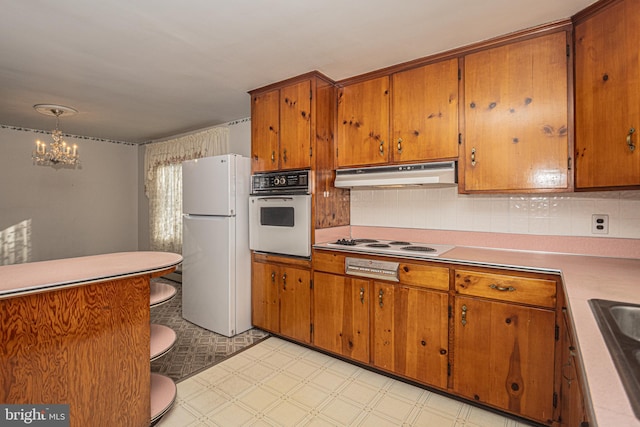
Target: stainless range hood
<point x="436" y="175"/>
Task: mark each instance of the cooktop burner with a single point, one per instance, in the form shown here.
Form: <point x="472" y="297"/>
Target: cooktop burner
<point x="389" y="247"/>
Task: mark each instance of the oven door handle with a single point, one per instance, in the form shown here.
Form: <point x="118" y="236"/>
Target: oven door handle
<point x="284" y="199"/>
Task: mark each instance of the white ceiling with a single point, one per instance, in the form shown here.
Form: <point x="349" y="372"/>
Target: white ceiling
<point x="147" y="69"/>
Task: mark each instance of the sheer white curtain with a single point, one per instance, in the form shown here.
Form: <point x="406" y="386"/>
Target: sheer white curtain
<point x="163" y="182"/>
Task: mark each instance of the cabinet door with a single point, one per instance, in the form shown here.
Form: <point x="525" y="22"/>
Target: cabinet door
<point x="341" y="315"/>
<point x="265" y="131"/>
<point x="425" y="113"/>
<point x="504" y="356"/>
<point x="516" y="120"/>
<point x="265" y="307"/>
<point x="607" y="91"/>
<point x="411" y="332"/>
<point x="295" y="303"/>
<point x="363" y="123"/>
<point x="295" y="126"/>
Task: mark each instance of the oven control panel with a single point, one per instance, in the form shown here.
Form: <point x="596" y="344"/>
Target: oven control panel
<point x="281" y="182"/>
<point x="373" y="269"/>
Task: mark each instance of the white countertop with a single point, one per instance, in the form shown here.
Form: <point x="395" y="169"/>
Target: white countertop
<point x="584" y="278"/>
<point x="32" y="277"/>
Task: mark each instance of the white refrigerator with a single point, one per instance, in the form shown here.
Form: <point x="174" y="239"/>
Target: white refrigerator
<point x="216" y="271"/>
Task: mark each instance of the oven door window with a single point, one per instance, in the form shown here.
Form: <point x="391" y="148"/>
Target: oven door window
<point x="277" y="216"/>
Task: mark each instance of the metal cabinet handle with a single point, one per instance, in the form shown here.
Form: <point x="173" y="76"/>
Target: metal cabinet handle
<point x="464" y="315"/>
<point x="273" y="276"/>
<point x="361" y="295"/>
<point x="273" y="156"/>
<point x="380" y="295"/>
<point x="630" y="143"/>
<point x="284" y="281"/>
<point x="399" y="145"/>
<point x="284" y="155"/>
<point x="502" y="288"/>
<point x="381" y="148"/>
<point x="473" y="156"/>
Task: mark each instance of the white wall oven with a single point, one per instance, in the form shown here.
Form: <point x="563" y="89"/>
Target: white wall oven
<point x="280" y="213"/>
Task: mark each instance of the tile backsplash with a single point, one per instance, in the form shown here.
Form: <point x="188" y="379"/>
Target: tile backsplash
<point x="563" y="214"/>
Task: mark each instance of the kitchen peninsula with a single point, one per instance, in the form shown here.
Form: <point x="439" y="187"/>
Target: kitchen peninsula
<point x="76" y="331"/>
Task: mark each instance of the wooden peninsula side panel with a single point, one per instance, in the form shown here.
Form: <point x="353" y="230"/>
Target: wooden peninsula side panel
<point x="86" y="346"/>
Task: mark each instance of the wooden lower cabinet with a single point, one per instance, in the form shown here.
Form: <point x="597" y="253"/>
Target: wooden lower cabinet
<point x="281" y="300"/>
<point x="573" y="410"/>
<point x="483" y="334"/>
<point x="411" y="332"/>
<point x="504" y="356"/>
<point x="341" y="315"/>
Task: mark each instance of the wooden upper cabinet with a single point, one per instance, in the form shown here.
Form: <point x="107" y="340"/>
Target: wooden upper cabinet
<point x="363" y="123"/>
<point x="607" y="60"/>
<point x="295" y="126"/>
<point x="281" y="128"/>
<point x="425" y="113"/>
<point x="265" y="130"/>
<point x="516" y="116"/>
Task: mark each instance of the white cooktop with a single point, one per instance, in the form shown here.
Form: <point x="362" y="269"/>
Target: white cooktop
<point x="389" y="247"/>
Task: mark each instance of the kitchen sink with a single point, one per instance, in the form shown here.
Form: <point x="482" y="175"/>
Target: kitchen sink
<point x="619" y="323"/>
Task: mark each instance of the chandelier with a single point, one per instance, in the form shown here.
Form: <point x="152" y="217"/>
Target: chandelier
<point x="58" y="152"/>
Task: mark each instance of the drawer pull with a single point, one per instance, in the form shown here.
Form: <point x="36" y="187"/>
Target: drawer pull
<point x="362" y="295"/>
<point x="630" y="143"/>
<point x="502" y="288"/>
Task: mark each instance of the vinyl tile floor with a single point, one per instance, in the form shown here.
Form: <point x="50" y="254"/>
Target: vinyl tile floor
<point x="279" y="383"/>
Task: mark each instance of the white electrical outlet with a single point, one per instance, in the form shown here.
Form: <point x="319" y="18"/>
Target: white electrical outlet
<point x="599" y="224"/>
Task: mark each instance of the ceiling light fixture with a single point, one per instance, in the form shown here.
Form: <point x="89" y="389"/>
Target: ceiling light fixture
<point x="58" y="152"/>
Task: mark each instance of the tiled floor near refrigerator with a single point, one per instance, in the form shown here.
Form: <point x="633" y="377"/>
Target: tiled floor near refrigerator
<point x="278" y="383"/>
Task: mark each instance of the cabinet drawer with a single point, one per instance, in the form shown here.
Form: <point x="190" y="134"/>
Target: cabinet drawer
<point x="424" y="276"/>
<point x="330" y="262"/>
<point x="525" y="290"/>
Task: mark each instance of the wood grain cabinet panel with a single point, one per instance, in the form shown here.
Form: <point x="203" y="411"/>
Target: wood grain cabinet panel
<point x="607" y="58"/>
<point x="281" y="300"/>
<point x="265" y="131"/>
<point x="281" y="128"/>
<point x="363" y="123"/>
<point x="516" y="116"/>
<point x="425" y="113"/>
<point x="504" y="356"/>
<point x="411" y="335"/>
<point x="341" y="315"/>
<point x="532" y="291"/>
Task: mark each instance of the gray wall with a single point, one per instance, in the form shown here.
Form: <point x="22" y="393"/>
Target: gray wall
<point x="63" y="213"/>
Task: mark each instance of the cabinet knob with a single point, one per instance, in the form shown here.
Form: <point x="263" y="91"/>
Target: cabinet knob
<point x="630" y="143"/>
